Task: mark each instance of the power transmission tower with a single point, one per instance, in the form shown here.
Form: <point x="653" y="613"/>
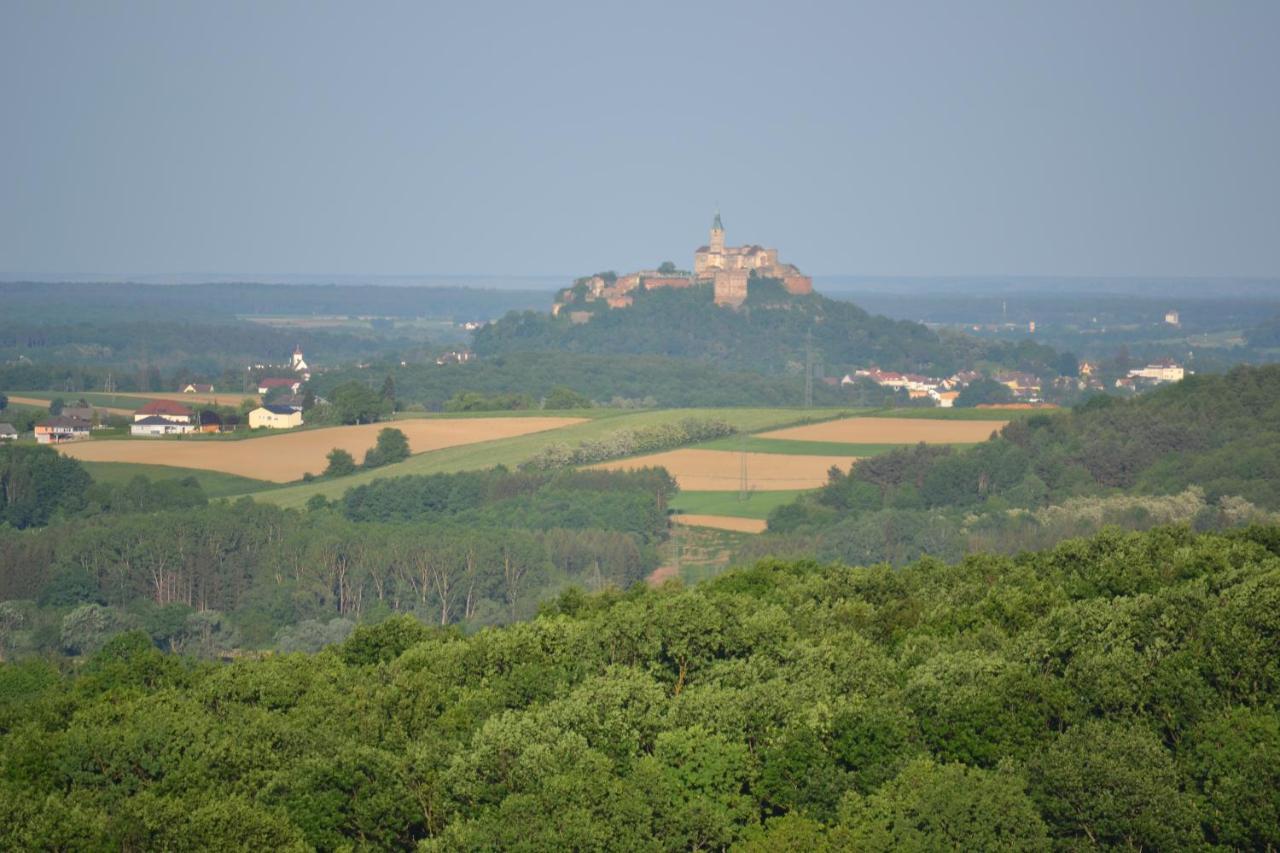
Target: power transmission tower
<point x="808" y="369"/>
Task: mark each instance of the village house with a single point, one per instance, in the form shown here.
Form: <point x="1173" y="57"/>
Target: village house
<point x="162" y="417"/>
<point x="1023" y="385"/>
<point x="61" y="428"/>
<point x="8" y="433"/>
<point x="196" y="388"/>
<point x="275" y="417"/>
<point x="266" y="386"/>
<point x="80" y="412"/>
<point x="1164" y="370"/>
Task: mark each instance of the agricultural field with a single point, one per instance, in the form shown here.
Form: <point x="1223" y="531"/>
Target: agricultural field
<point x="757" y="504"/>
<point x="126" y="402"/>
<point x="733" y="523"/>
<point x="721" y="470"/>
<point x="883" y="430"/>
<point x="287" y="457"/>
<point x="592" y="425"/>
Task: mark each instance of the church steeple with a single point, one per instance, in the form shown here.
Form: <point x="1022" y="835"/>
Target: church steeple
<point x="717" y="236"/>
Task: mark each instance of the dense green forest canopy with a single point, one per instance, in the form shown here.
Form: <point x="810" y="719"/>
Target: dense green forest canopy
<point x="1115" y="692"/>
<point x="768" y="335"/>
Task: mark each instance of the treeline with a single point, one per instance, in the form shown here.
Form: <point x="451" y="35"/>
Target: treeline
<point x="628" y="442"/>
<point x="63" y="303"/>
<point x="613" y="380"/>
<point x="475" y="548"/>
<point x="1118" y="692"/>
<point x="629" y="501"/>
<point x="769" y="336"/>
<point x="1218" y="436"/>
<point x="39" y="485"/>
<point x="254" y="570"/>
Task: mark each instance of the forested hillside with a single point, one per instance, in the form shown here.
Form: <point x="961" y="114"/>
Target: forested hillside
<point x="1204" y="451"/>
<point x="1115" y="692"/>
<point x="769" y="335"/>
<point x="627" y="380"/>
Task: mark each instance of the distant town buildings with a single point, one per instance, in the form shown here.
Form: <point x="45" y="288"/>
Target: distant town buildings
<point x="1171" y="317"/>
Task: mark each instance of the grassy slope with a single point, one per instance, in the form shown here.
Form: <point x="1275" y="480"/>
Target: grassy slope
<point x="215" y="483"/>
<point x="112" y="401"/>
<point x="512" y="451"/>
<point x="757" y="504"/>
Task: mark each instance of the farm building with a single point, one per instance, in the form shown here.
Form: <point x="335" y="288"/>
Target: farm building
<point x="175" y="413"/>
<point x="196" y="388"/>
<point x="154" y="426"/>
<point x="8" y="433"/>
<point x="266" y="386"/>
<point x="275" y="417"/>
<point x="60" y="429"/>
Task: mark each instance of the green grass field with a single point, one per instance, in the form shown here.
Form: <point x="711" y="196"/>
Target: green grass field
<point x="757" y="504"/>
<point x="215" y="483"/>
<point x="112" y="401"/>
<point x="512" y="451"/>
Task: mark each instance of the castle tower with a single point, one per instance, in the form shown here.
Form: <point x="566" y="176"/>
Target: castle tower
<point x="717" y="236"/>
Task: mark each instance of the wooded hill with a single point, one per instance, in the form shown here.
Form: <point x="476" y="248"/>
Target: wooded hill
<point x="1115" y="692"/>
<point x="1217" y="436"/>
<point x="768" y="335"/>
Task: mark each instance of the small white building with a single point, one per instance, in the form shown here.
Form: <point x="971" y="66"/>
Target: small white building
<point x="8" y="433"/>
<point x="1160" y="371"/>
<point x="154" y="426"/>
<point x="275" y="417"/>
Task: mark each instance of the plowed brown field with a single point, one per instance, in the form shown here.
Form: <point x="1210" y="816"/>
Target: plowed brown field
<point x="286" y="457"/>
<point x="891" y="431"/>
<point x="724" y="522"/>
<point x="720" y="470"/>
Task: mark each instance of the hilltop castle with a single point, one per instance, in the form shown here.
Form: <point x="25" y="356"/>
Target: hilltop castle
<point x="729" y="269"/>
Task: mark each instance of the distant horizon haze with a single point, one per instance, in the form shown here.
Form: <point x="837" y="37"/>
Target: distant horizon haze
<point x="1089" y="140"/>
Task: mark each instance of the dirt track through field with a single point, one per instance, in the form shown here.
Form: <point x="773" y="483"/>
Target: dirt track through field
<point x="723" y="522"/>
<point x="720" y="470"/>
<point x="287" y="456"/>
<point x="891" y="431"/>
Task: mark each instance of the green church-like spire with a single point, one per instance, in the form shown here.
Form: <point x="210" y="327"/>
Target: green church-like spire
<point x="716" y="226"/>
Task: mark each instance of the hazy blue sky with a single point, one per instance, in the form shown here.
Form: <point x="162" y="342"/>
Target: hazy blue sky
<point x="1079" y="138"/>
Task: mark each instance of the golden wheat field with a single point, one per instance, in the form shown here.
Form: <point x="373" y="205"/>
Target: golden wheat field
<point x="891" y="431"/>
<point x="723" y="522"/>
<point x="286" y="457"/>
<point x="720" y="470"/>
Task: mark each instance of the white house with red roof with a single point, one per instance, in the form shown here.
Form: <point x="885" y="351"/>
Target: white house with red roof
<point x="162" y="417"/>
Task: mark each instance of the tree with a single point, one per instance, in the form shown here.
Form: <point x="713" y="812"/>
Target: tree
<point x="4" y="402"/>
<point x="388" y="393"/>
<point x="1113" y="784"/>
<point x="341" y="463"/>
<point x="56" y="406"/>
<point x="356" y="403"/>
<point x="392" y="446"/>
<point x="932" y="806"/>
<point x="565" y="398"/>
<point x="11" y="619"/>
<point x="666" y="268"/>
<point x="983" y="392"/>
